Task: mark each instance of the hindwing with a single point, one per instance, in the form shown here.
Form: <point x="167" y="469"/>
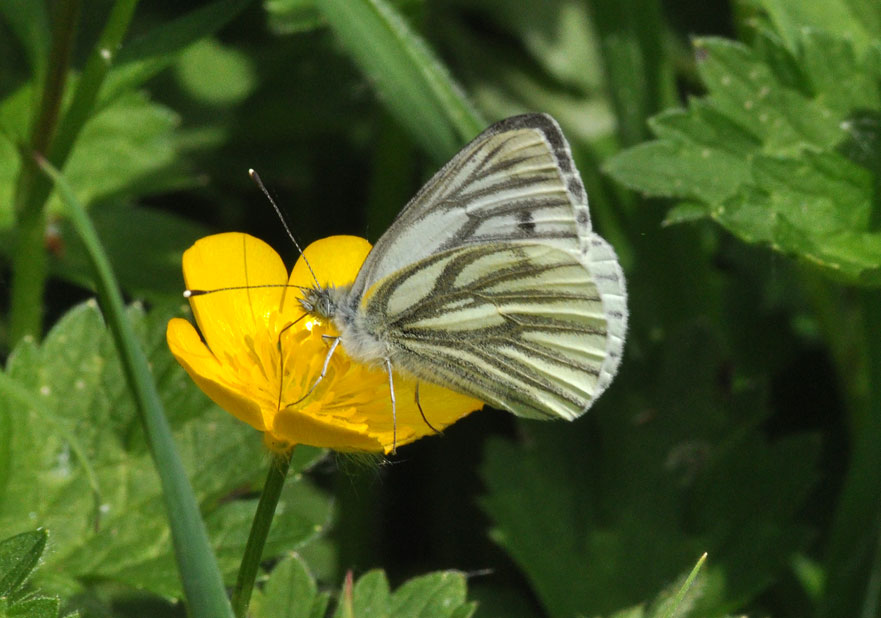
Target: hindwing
<point x="521" y="326"/>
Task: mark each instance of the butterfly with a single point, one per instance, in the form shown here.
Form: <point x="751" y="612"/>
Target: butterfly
<point x="491" y="281"/>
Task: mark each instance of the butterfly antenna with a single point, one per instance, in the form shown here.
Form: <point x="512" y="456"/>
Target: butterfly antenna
<point x="256" y="178"/>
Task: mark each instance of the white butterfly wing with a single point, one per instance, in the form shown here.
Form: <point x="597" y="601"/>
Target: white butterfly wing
<point x="515" y="181"/>
<point x="520" y="326"/>
<point x="492" y="282"/>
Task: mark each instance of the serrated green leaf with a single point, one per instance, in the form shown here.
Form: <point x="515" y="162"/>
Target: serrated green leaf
<point x="40" y="607"/>
<point x="858" y="20"/>
<point x="436" y="595"/>
<point x="675" y="169"/>
<point x="126" y="149"/>
<point x="291" y="592"/>
<point x="747" y="91"/>
<point x="785" y="149"/>
<point x="19" y="556"/>
<point x="704" y="126"/>
<point x="77" y="442"/>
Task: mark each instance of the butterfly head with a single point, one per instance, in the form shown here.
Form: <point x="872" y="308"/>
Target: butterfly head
<point x="320" y="301"/>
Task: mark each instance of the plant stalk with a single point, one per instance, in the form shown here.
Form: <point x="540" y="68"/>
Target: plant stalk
<point x="29" y="260"/>
<point x="278" y="471"/>
<point x="200" y="575"/>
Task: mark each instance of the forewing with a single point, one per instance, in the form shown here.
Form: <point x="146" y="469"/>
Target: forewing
<point x="524" y="327"/>
<point x="516" y="181"/>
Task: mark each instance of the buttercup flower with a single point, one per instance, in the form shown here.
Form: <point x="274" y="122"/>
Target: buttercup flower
<point x="259" y="359"/>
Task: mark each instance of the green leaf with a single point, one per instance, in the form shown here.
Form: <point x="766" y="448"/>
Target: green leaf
<point x="19" y="556"/>
<point x="601" y="515"/>
<point x="151" y="53"/>
<point x="785" y="149"/>
<point x="291" y="592"/>
<point x="465" y="611"/>
<point x="436" y="595"/>
<point x="371" y="597"/>
<point x="126" y="150"/>
<point x="669" y="169"/>
<point x="297" y="16"/>
<point x="293" y="16"/>
<point x="41" y="607"/>
<point x="76" y="441"/>
<point x="215" y="74"/>
<point x="415" y="86"/>
<point x="858" y="20"/>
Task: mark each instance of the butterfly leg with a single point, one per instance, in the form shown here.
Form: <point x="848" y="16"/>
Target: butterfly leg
<point x="391" y="385"/>
<point x="333" y="347"/>
<point x="419" y="405"/>
<point x="281" y="360"/>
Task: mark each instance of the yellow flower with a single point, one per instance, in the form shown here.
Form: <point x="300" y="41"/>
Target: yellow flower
<point x="258" y="362"/>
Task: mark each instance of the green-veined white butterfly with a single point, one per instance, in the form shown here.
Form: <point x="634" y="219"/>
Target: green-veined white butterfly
<point x="491" y="281"/>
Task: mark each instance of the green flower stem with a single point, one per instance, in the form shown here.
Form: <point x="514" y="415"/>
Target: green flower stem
<point x="278" y="471"/>
<point x="200" y="575"/>
<point x="29" y="261"/>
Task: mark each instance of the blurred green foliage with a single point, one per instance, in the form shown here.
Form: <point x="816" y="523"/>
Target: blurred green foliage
<point x="746" y="420"/>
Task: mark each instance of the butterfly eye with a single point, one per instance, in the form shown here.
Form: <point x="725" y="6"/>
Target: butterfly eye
<point x="326" y="306"/>
<point x="307" y="304"/>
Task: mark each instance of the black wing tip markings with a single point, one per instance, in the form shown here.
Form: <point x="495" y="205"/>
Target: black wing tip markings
<point x="562" y="152"/>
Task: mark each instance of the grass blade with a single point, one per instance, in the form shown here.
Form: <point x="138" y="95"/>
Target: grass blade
<point x="411" y="81"/>
<point x="203" y="586"/>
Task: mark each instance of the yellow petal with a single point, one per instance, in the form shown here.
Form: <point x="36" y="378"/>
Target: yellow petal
<point x="233" y="260"/>
<point x="209" y="374"/>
